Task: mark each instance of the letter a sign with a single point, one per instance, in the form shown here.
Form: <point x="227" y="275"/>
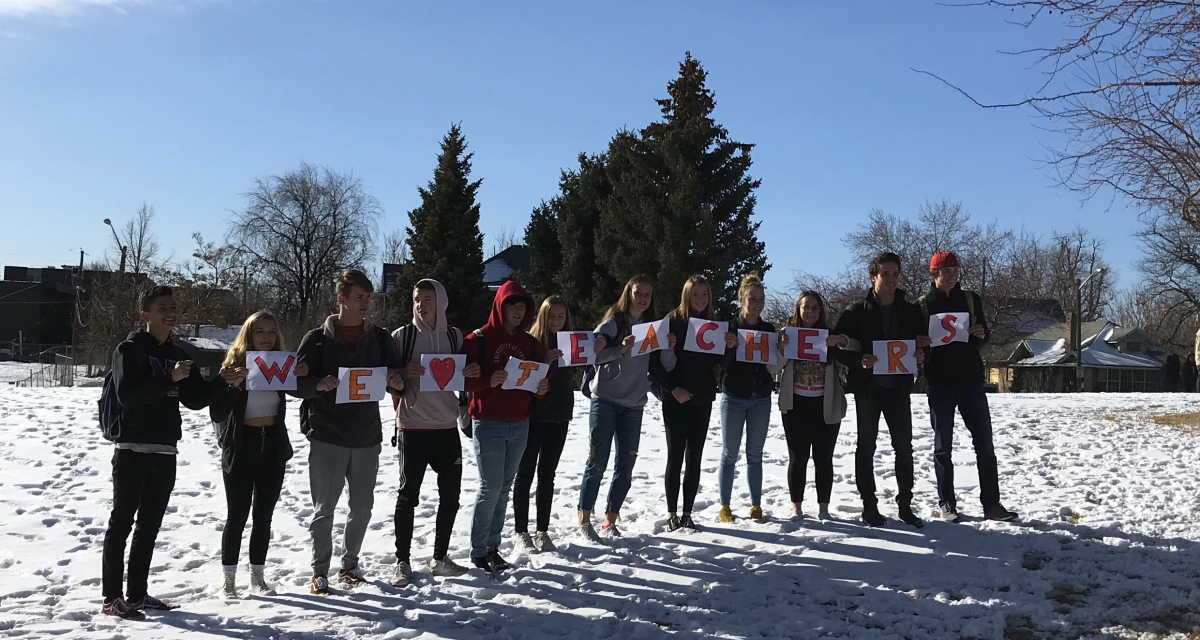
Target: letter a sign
<point x="896" y="357"/>
<point x="945" y="328"/>
<point x="650" y="336"/>
<point x="270" y="371"/>
<point x="705" y="336"/>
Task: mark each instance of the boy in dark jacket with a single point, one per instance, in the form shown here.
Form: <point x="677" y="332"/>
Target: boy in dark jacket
<point x="152" y="375"/>
<point x="345" y="439"/>
<point x="955" y="374"/>
<point x="883" y="315"/>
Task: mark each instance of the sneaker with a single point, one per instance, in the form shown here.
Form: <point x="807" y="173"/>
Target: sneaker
<point x="756" y="513"/>
<point x="998" y="512"/>
<point x="908" y="517"/>
<point x="501" y="563"/>
<point x="228" y="585"/>
<point x="446" y="568"/>
<point x="949" y="512"/>
<point x="824" y="515"/>
<point x="351" y="577"/>
<point x="611" y="529"/>
<point x="687" y="523"/>
<point x="259" y="586"/>
<point x="487" y="564"/>
<point x="319" y="586"/>
<point x="402" y="574"/>
<point x="674" y="522"/>
<point x="589" y="532"/>
<point x="871" y="516"/>
<point x="121" y="609"/>
<point x="543" y="542"/>
<point x="725" y="514"/>
<point x="523" y="543"/>
<point x="150" y="602"/>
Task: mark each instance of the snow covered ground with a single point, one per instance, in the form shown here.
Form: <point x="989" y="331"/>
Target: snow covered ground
<point x="1107" y="547"/>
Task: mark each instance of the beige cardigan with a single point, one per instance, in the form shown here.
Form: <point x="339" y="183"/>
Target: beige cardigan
<point x="835" y="403"/>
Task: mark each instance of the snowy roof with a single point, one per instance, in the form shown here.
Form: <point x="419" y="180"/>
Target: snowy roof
<point x="210" y="338"/>
<point x="1097" y="352"/>
<point x="500" y="267"/>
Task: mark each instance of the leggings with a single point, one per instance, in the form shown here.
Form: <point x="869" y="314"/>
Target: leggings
<point x="687" y="428"/>
<point x="808" y="433"/>
<point x="542" y="451"/>
<point x="252" y="486"/>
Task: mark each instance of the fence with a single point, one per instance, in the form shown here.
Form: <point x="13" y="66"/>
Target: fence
<point x="60" y="373"/>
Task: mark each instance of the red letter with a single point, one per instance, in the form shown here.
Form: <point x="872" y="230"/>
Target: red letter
<point x="576" y="349"/>
<point x="274" y="371"/>
<point x="896" y="351"/>
<point x="356" y="387"/>
<point x="758" y="343"/>
<point x="703" y="329"/>
<point x="948" y="325"/>
<point x="803" y="346"/>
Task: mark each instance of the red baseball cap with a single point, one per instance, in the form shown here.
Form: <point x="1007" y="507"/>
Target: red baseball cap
<point x="942" y="260"/>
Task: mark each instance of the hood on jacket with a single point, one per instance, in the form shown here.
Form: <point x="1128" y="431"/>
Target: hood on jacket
<point x="511" y="291"/>
<point x="443" y="302"/>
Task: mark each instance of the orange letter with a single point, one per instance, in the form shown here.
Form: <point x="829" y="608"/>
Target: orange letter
<point x="526" y="369"/>
<point x="356" y="387"/>
<point x="896" y="350"/>
<point x="650" y="340"/>
<point x="948" y="325"/>
<point x="757" y="343"/>
<point x="703" y="329"/>
<point x="576" y="349"/>
<point x="803" y="346"/>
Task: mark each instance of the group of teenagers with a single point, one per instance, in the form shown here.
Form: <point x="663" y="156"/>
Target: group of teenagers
<point x="518" y="435"/>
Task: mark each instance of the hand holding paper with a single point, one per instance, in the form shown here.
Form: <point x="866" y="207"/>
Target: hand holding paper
<point x="806" y="344"/>
<point x="270" y="371"/>
<point x="894" y="357"/>
<point x="945" y="328"/>
<point x="361" y="384"/>
<point x="443" y="372"/>
<point x="705" y="336"/>
<point x="524" y="374"/>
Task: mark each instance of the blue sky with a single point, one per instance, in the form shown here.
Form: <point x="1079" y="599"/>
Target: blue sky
<point x="106" y="104"/>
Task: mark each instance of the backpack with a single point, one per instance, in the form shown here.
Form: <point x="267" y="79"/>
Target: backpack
<point x="624" y="326"/>
<point x="318" y="360"/>
<point x="110" y="410"/>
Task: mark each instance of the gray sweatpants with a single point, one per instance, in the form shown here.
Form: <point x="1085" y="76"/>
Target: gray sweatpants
<point x="329" y="469"/>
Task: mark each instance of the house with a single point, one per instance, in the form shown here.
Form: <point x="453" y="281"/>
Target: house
<point x="1114" y="359"/>
<point x="500" y="268"/>
<point x="37" y="306"/>
<point x="206" y="344"/>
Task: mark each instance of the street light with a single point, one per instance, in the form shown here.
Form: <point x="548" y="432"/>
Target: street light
<point x="121" y="270"/>
<point x="1079" y="327"/>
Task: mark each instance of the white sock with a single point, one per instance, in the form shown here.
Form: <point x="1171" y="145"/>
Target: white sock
<point x="229" y="568"/>
<point x="258" y="568"/>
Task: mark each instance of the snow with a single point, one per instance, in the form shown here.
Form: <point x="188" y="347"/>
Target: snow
<point x="1097" y="352"/>
<point x="1106" y="548"/>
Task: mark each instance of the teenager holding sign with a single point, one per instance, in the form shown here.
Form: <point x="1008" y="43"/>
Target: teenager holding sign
<point x="689" y="389"/>
<point x="547" y="432"/>
<point x="954" y="371"/>
<point x="344" y="439"/>
<point x="618" y="393"/>
<point x="255" y="449"/>
<point x="814" y="408"/>
<point x="427" y="430"/>
<point x="746" y="401"/>
<point x="500" y="417"/>
<point x="883" y="315"/>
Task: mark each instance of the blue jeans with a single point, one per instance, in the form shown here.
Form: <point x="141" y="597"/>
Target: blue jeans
<point x="972" y="403"/>
<point x="498" y="450"/>
<point x="754" y="414"/>
<point x="608" y="421"/>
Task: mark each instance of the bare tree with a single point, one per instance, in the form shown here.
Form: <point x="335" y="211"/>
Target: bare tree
<point x="504" y="239"/>
<point x="1169" y="319"/>
<point x="395" y="247"/>
<point x="303" y="228"/>
<point x="141" y="245"/>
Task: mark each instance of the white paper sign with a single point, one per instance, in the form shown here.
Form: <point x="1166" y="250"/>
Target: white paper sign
<point x="361" y="384"/>
<point x="524" y="375"/>
<point x="945" y="328"/>
<point x="650" y="336"/>
<point x="705" y="336"/>
<point x="443" y="372"/>
<point x="806" y="344"/>
<point x="757" y="346"/>
<point x="895" y="357"/>
<point x="578" y="347"/>
<point x="270" y="371"/>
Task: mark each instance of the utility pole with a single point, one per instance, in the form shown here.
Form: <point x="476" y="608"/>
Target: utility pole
<point x="1078" y="346"/>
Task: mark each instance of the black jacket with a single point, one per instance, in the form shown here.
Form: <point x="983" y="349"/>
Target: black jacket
<point x="228" y="411"/>
<point x="353" y="425"/>
<point x="740" y="379"/>
<point x="695" y="372"/>
<point x="148" y="396"/>
<point x="863" y="321"/>
<point x="558" y="405"/>
<point x="958" y="364"/>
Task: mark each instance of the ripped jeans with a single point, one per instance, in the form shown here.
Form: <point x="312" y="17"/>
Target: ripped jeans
<point x="610" y="421"/>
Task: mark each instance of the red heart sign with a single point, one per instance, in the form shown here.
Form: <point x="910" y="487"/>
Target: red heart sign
<point x="443" y="371"/>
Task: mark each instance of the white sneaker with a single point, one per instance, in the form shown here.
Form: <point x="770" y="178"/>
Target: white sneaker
<point x="259" y="586"/>
<point x="543" y="542"/>
<point x="228" y="586"/>
<point x="446" y="568"/>
<point x="589" y="532"/>
<point x="402" y="575"/>
<point x="524" y="543"/>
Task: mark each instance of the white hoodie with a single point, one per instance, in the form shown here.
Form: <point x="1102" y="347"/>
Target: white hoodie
<point x="422" y="411"/>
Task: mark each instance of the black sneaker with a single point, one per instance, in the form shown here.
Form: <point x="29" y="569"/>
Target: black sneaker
<point x="949" y="512"/>
<point x="501" y="563"/>
<point x="998" y="512"/>
<point x="673" y="523"/>
<point x="908" y="517"/>
<point x="487" y="564"/>
<point x="687" y="523"/>
<point x="872" y="517"/>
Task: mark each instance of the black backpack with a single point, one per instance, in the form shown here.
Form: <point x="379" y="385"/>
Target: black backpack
<point x="110" y="410"/>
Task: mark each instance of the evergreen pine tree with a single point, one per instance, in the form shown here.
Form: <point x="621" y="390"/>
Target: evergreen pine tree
<point x="545" y="252"/>
<point x="584" y="281"/>
<point x="445" y="241"/>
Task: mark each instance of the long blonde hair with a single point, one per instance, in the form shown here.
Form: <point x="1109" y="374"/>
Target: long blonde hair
<point x="236" y="356"/>
<point x="621" y="306"/>
<point x="684" y="310"/>
<point x="541" y="324"/>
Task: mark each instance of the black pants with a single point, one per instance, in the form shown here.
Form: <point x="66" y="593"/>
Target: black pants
<point x="808" y="434"/>
<point x="893" y="404"/>
<point x="142" y="484"/>
<point x="542" y="451"/>
<point x="687" y="428"/>
<point x="441" y="451"/>
<point x="253" y="485"/>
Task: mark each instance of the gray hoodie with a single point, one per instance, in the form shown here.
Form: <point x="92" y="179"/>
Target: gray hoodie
<point x="427" y="410"/>
<point x="621" y="377"/>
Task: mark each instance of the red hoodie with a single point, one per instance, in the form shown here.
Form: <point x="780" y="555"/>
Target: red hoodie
<point x="494" y="403"/>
